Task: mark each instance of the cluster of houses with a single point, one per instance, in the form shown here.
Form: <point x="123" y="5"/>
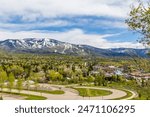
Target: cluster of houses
<point x="113" y="70"/>
<point x="140" y="75"/>
<point x="108" y="70"/>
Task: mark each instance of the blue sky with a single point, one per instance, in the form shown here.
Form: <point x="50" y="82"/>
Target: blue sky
<point x="99" y="23"/>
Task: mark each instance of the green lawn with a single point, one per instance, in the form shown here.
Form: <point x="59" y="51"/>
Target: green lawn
<point x="144" y="93"/>
<point x="27" y="96"/>
<point x="34" y="97"/>
<point x="56" y="92"/>
<point x="86" y="92"/>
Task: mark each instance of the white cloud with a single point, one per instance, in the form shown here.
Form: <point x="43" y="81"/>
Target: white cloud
<point x="75" y="36"/>
<point x="62" y="23"/>
<point x="98" y="22"/>
<point x="33" y="10"/>
<point x="30" y="10"/>
<point x="112" y="24"/>
<point x="34" y="25"/>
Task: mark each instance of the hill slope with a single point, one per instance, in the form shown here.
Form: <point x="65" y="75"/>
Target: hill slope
<point x="49" y="46"/>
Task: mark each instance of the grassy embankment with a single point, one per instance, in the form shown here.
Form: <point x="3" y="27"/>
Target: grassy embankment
<point x="55" y="92"/>
<point x="86" y="92"/>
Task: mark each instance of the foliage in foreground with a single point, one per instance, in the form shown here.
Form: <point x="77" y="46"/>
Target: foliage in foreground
<point x="139" y="21"/>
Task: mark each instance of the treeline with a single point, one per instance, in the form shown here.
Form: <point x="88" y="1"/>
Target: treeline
<point x="55" y="68"/>
<point x="18" y="70"/>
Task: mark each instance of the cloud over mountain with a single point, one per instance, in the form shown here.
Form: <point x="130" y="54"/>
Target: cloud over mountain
<point x="75" y="36"/>
<point x="88" y="22"/>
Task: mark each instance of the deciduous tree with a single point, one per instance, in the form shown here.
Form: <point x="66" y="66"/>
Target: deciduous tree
<point x="139" y="21"/>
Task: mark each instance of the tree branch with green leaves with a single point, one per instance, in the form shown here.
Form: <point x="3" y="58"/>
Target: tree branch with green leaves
<point x="139" y="21"/>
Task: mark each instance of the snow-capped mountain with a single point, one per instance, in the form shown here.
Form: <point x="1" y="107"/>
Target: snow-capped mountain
<point x="48" y="46"/>
<point x="117" y="52"/>
<point x="43" y="45"/>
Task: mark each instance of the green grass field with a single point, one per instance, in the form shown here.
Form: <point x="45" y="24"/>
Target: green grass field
<point x="27" y="96"/>
<point x="56" y="92"/>
<point x="86" y="92"/>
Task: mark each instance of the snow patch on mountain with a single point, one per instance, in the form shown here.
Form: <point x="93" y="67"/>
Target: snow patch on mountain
<point x="47" y="45"/>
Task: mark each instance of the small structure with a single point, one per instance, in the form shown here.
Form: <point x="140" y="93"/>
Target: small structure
<point x="139" y="75"/>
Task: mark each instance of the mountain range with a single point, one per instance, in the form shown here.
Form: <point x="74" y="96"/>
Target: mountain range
<point x="52" y="46"/>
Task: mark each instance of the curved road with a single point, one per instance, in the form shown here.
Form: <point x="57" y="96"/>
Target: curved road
<point x="71" y="94"/>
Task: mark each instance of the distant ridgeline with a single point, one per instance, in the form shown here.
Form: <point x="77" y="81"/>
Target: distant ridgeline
<point x="51" y="46"/>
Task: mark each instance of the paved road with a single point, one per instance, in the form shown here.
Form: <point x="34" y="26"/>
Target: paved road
<point x="134" y="94"/>
<point x="12" y="97"/>
<point x="71" y="94"/>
